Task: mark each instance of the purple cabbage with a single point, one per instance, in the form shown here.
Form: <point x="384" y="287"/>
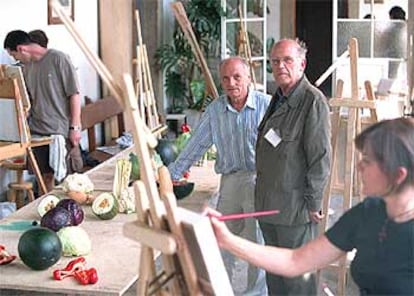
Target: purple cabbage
<point x="74" y="208"/>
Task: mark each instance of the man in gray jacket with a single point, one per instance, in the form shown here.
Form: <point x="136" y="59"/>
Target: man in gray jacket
<point x="293" y="155"/>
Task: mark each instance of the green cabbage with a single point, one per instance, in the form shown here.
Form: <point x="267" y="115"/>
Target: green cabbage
<point x="75" y="241"/>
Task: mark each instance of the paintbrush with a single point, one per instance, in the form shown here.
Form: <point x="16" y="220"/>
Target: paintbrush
<point x="246" y="215"/>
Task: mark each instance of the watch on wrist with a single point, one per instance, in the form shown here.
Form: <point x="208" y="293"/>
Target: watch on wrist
<point x="75" y="128"/>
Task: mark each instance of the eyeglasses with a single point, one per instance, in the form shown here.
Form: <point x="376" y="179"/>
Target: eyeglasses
<point x="285" y="60"/>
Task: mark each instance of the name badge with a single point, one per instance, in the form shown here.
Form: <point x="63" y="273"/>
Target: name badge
<point x="272" y="137"/>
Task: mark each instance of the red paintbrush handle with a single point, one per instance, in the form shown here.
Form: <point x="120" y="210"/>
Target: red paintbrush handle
<point x="247" y="215"/>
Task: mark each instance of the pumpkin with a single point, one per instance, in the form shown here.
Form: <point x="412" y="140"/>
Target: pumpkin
<point x="105" y="206"/>
<point x="39" y="248"/>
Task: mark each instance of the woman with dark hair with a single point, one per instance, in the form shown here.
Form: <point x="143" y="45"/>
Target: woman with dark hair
<point x="380" y="228"/>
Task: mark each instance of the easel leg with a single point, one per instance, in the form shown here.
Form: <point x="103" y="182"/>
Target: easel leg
<point x="36" y="170"/>
<point x="146" y="272"/>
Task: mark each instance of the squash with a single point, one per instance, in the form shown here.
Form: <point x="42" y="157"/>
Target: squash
<point x="105" y="206"/>
<point x="39" y="248"/>
<point x="47" y="203"/>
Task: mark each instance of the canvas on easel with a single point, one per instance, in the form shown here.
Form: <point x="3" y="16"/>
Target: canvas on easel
<point x="14" y="104"/>
<point x="157" y="220"/>
<point x="15" y="72"/>
<point x="9" y="130"/>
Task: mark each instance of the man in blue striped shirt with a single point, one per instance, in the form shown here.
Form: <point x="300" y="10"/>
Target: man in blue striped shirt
<point x="230" y="123"/>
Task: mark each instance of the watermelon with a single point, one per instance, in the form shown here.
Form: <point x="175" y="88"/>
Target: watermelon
<point x="167" y="150"/>
<point x="183" y="190"/>
<point x="105" y="206"/>
<point x="39" y="248"/>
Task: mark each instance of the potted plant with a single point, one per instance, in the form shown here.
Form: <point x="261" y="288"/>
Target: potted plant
<point x="184" y="83"/>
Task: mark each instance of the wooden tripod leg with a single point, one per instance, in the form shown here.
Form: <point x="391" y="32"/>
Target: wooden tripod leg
<point x="146" y="270"/>
<point x="184" y="257"/>
<point x="38" y="174"/>
<point x="151" y="104"/>
<point x="349" y="153"/>
<point x="335" y="129"/>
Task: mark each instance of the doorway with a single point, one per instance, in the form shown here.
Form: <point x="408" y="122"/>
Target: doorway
<point x="314" y="27"/>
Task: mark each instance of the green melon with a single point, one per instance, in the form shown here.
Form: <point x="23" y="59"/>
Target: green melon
<point x="39" y="248"/>
<point x="47" y="203"/>
<point x="105" y="206"/>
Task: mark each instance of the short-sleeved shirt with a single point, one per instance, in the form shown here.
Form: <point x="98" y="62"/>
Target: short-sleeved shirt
<point x="384" y="261"/>
<point x="51" y="81"/>
<point x="233" y="132"/>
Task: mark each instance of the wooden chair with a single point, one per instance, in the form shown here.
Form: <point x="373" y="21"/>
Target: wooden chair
<point x="98" y="112"/>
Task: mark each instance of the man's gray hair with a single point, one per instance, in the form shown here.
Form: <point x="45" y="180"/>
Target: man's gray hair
<point x="239" y="58"/>
<point x="301" y="46"/>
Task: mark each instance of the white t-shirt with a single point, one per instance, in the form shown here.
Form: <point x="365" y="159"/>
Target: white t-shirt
<point x="5" y="58"/>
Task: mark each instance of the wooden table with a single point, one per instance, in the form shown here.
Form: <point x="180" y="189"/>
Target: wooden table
<point x="115" y="257"/>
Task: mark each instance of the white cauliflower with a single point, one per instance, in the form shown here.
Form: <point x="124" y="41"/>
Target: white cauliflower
<point x="78" y="183"/>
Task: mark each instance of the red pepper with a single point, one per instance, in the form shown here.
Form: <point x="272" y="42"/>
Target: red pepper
<point x="185" y="128"/>
<point x="82" y="276"/>
<point x="5" y="257"/>
<point x="93" y="275"/>
<point x="86" y="277"/>
<point x="70" y="269"/>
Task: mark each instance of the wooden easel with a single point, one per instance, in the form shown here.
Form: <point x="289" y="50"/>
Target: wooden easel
<point x="353" y="126"/>
<point x="144" y="88"/>
<point x="186" y="27"/>
<point x="9" y="90"/>
<point x="244" y="48"/>
<point x="160" y="226"/>
<point x="153" y="227"/>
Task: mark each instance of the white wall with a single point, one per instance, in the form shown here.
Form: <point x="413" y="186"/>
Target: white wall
<point x="28" y="15"/>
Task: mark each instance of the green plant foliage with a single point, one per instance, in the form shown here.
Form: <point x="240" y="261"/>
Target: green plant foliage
<point x="184" y="83"/>
<point x="269" y="44"/>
